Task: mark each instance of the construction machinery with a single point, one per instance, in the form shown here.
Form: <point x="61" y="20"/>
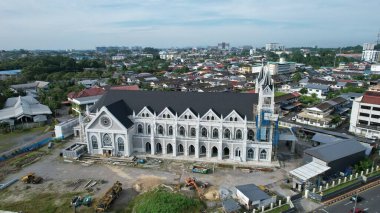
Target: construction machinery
<point x="112" y="193"/>
<point x="31" y="178"/>
<point x="190" y="181"/>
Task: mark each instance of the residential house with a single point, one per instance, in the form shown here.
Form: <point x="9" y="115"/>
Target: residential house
<point x="319" y="89"/>
<point x="24" y="109"/>
<point x="322" y="115"/>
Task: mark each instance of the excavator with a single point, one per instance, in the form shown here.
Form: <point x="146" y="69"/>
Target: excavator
<point x="190" y="181"/>
<point x="31" y="178"/>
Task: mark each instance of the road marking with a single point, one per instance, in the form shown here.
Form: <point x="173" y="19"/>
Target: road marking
<point x="324" y="210"/>
<point x="348" y="203"/>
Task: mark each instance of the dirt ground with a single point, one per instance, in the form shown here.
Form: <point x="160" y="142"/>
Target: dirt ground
<point x="62" y="177"/>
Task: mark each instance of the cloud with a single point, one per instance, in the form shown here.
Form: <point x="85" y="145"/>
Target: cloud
<point x="79" y="24"/>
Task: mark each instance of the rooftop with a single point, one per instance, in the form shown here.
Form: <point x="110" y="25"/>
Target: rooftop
<point x="371" y="97"/>
<point x="253" y="192"/>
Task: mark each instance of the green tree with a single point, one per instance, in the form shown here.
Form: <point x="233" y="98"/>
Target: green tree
<point x="303" y="91"/>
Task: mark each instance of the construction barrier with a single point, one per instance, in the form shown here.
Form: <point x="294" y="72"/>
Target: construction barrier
<point x="27" y="148"/>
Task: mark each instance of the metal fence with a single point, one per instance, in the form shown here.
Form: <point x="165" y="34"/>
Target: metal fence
<point x="24" y="149"/>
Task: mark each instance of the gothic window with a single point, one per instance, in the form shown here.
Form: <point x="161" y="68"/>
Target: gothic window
<point x="238" y="134"/>
<point x="190" y="116"/>
<point x="185" y="116"/>
<point x="204" y="132"/>
<point x="164" y="116"/>
<point x="215" y="133"/>
<point x="140" y="129"/>
<point x="160" y="130"/>
<point x="263" y="154"/>
<point x="170" y="132"/>
<point x="182" y="131"/>
<point x="107" y="140"/>
<point x="251" y="135"/>
<point x="149" y="131"/>
<point x="168" y="116"/>
<point x="208" y="117"/>
<point x="193" y="132"/>
<point x="120" y="144"/>
<point x="235" y="118"/>
<point x="212" y="118"/>
<point x="94" y="142"/>
<point x="231" y="118"/>
<point x="147" y="115"/>
<point x="237" y="152"/>
<point x="143" y="115"/>
<point x="250" y="153"/>
<point x="227" y="133"/>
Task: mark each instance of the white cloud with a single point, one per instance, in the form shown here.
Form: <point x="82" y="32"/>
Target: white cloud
<point x="36" y="24"/>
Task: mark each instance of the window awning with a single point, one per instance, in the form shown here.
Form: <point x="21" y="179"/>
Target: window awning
<point x="309" y="171"/>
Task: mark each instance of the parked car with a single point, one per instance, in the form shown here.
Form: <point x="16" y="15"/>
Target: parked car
<point x="357" y="210"/>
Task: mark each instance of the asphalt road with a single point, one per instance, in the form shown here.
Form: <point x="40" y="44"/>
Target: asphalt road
<point x="370" y="203"/>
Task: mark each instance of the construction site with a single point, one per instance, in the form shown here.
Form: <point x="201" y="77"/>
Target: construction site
<point x="51" y="183"/>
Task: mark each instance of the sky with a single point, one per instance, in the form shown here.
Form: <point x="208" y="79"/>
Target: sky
<point x="85" y="24"/>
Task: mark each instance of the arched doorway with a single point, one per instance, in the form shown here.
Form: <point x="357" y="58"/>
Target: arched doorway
<point x="237" y="152"/>
<point x="180" y="149"/>
<point x="148" y="147"/>
<point x="203" y="151"/>
<point x="191" y="150"/>
<point x="169" y="148"/>
<point x="226" y="152"/>
<point x="158" y="148"/>
<point x="214" y="152"/>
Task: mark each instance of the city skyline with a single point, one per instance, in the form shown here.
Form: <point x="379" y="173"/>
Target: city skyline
<point x="42" y="24"/>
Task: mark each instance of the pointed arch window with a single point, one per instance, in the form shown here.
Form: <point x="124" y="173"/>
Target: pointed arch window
<point x="215" y="133"/>
<point x="238" y="134"/>
<point x="204" y="132"/>
<point x="120" y="144"/>
<point x="263" y="154"/>
<point x="193" y="132"/>
<point x="160" y="129"/>
<point x="94" y="142"/>
<point x="182" y="131"/>
<point x="140" y="129"/>
<point x="107" y="140"/>
<point x="227" y="133"/>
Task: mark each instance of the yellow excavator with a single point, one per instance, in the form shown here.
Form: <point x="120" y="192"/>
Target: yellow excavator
<point x="31" y="178"/>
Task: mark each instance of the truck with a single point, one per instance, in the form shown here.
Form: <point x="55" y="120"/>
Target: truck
<point x="200" y="169"/>
<point x="112" y="193"/>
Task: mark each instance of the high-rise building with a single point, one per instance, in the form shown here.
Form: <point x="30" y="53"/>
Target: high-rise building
<point x="223" y="46"/>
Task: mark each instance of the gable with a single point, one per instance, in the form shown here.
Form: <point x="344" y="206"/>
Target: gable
<point x="188" y="114"/>
<point x="105" y="121"/>
<point x="210" y="115"/>
<point x="145" y="112"/>
<point x="166" y="113"/>
<point x="234" y="116"/>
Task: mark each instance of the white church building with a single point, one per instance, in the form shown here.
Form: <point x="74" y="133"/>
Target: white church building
<point x="233" y="127"/>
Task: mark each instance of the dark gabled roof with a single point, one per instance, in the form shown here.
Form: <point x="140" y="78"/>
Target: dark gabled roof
<point x="253" y="192"/>
<point x="200" y="103"/>
<point x="324" y="106"/>
<point x="336" y="150"/>
<point x="120" y="110"/>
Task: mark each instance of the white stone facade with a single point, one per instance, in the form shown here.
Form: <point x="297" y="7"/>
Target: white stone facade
<point x="209" y="136"/>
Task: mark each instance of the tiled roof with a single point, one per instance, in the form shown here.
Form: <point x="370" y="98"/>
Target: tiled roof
<point x="371" y="97"/>
<point x="94" y="91"/>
